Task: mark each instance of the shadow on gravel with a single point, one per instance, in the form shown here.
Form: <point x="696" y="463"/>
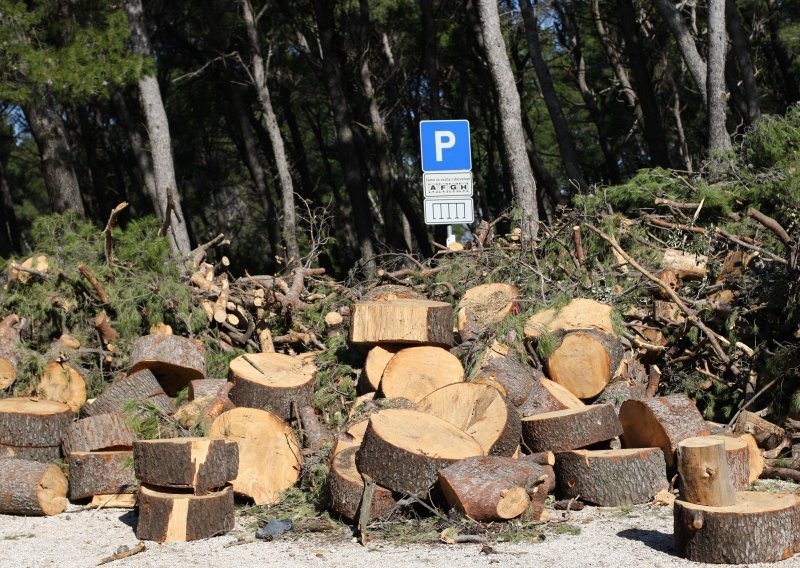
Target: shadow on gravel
<point x="131" y="518"/>
<point x="657" y="540"/>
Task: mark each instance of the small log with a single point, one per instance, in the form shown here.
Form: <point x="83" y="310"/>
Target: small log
<point x="484" y="305"/>
<point x="33" y="422"/>
<point x="494" y="488"/>
<point x="685" y="265"/>
<point x="182" y="517"/>
<point x="9" y="351"/>
<point x="759" y="527"/>
<point x="345" y="487"/>
<point x="272" y="381"/>
<point x="403" y="449"/>
<point x="220" y="306"/>
<point x="768" y="436"/>
<point x="160" y="329"/>
<point x="314" y="437"/>
<point x="737" y="456"/>
<point x="579" y="314"/>
<point x="31" y="488"/>
<point x="510" y="376"/>
<point x="100" y="473"/>
<point x="570" y="429"/>
<point x="205" y="387"/>
<point x="377" y="359"/>
<point x="585" y="361"/>
<point x="100" y="432"/>
<point x="270" y="460"/>
<point x="661" y="423"/>
<point x="755" y="457"/>
<point x="548" y="396"/>
<point x="415" y="372"/>
<point x="141" y="386"/>
<point x="402" y="321"/>
<point x="703" y="467"/>
<point x="199" y="464"/>
<point x="44" y="454"/>
<point x="480" y="411"/>
<point x="175" y="361"/>
<point x="201" y="412"/>
<point x="611" y="478"/>
<point x="62" y="383"/>
<point x="541" y="458"/>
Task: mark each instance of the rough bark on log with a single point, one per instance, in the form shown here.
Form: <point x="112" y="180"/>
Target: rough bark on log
<point x="611" y="478"/>
<point x="480" y="411"/>
<point x="31" y="488"/>
<point x="403" y="449"/>
<point x="205" y="387"/>
<point x="548" y="396"/>
<point x="9" y="351"/>
<point x="33" y="422"/>
<point x="402" y="321"/>
<point x="345" y="487"/>
<point x="374" y="365"/>
<point x="415" y="372"/>
<point x="767" y="435"/>
<point x="661" y="423"/>
<point x="199" y="464"/>
<point x="140" y="386"/>
<point x="175" y="361"/>
<point x="182" y="517"/>
<point x="391" y="293"/>
<point x="314" y="436"/>
<point x="484" y="305"/>
<point x="585" y="361"/>
<point x="760" y="527"/>
<point x="44" y="454"/>
<point x="100" y="432"/>
<point x="703" y="467"/>
<point x="570" y="429"/>
<point x="272" y="381"/>
<point x="62" y="383"/>
<point x="490" y="488"/>
<point x="100" y="473"/>
<point x="515" y="379"/>
<point x="270" y="460"/>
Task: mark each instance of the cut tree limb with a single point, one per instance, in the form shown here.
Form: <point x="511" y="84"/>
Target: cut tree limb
<point x="402" y="321"/>
<point x="31" y="488"/>
<point x="182" y="517"/>
<point x="570" y="429"/>
<point x="100" y="473"/>
<point x="33" y="422"/>
<point x="100" y="432"/>
<point x="766" y="434"/>
<point x="703" y="467"/>
<point x="140" y="386"/>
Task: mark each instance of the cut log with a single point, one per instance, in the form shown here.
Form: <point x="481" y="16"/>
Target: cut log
<point x="115" y="501"/>
<point x="548" y="396"/>
<point x="580" y="313"/>
<point x="618" y="392"/>
<point x="584" y="362"/>
<point x="272" y="381"/>
<point x="541" y="458"/>
<point x="570" y="429"/>
<point x="402" y="321"/>
<point x="703" y="467"/>
<point x="685" y="265"/>
<point x="351" y="438"/>
<point x="202" y="411"/>
<point x="661" y="423"/>
<point x="205" y="387"/>
<point x="31" y="488"/>
<point x="415" y="372"/>
<point x="43" y="454"/>
<point x="755" y="456"/>
<point x="160" y="329"/>
<point x="199" y="464"/>
<point x="737" y="455"/>
<point x="403" y="449"/>
<point x="768" y="436"/>
<point x="345" y="487"/>
<point x="377" y="359"/>
<point x="62" y="383"/>
<point x="100" y="473"/>
<point x="493" y="488"/>
<point x="611" y="478"/>
<point x="140" y="386"/>
<point x="33" y="422"/>
<point x="391" y="293"/>
<point x="100" y="432"/>
<point x="484" y="305"/>
<point x="9" y="351"/>
<point x="175" y="361"/>
<point x="182" y="517"/>
<point x="760" y="527"/>
<point x="514" y="377"/>
<point x="494" y="351"/>
<point x="269" y="455"/>
<point x="480" y="411"/>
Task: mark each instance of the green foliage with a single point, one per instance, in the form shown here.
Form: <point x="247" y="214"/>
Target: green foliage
<point x="774" y="142"/>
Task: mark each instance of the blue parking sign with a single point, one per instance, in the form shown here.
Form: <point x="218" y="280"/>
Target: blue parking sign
<point x="445" y="146"/>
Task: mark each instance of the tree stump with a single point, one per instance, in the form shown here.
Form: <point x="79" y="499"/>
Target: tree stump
<point x="484" y="305"/>
<point x="402" y="321"/>
<point x="415" y="372"/>
<point x="584" y="362"/>
<point x="31" y="488"/>
<point x="703" y="467"/>
<point x="62" y="383"/>
<point x="737" y="455"/>
<point x="100" y="432"/>
<point x="768" y="436"/>
<point x="661" y="423"/>
<point x="199" y="464"/>
<point x="377" y="359"/>
<point x="480" y="411"/>
<point x="140" y="386"/>
<point x="611" y="478"/>
<point x="205" y="387"/>
<point x="514" y="379"/>
<point x="9" y="351"/>
<point x="175" y="361"/>
<point x="495" y="488"/>
<point x="548" y="396"/>
<point x="100" y="473"/>
<point x="570" y="429"/>
<point x="269" y="455"/>
<point x="272" y="381"/>
<point x="403" y="449"/>
<point x="345" y="487"/>
<point x="33" y="423"/>
<point x="760" y="527"/>
<point x="182" y="517"/>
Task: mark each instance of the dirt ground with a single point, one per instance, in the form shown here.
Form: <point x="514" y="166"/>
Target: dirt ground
<point x="628" y="537"/>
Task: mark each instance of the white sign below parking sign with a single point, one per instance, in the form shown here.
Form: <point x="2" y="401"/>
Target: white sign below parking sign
<point x="448" y="185"/>
<point x="450" y="211"/>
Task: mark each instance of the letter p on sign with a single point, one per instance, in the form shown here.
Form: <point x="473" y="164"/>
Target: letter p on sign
<point x="445" y="146"/>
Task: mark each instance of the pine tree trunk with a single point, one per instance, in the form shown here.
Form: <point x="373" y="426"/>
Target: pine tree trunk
<point x="686" y="44"/>
<point x="781" y="54"/>
<point x="741" y="50"/>
<point x="9" y="231"/>
<point x="718" y="138"/>
<point x="143" y="162"/>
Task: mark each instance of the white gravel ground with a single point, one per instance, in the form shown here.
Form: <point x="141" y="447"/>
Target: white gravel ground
<point x="630" y="538"/>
